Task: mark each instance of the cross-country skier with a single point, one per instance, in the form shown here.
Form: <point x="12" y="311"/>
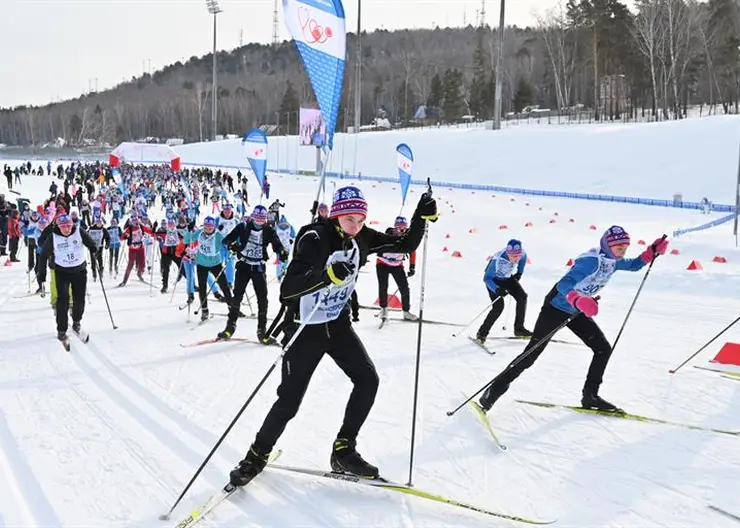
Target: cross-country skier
<point x="134" y="232"/>
<point x="319" y="281"/>
<point x="249" y="242"/>
<point x="66" y="249"/>
<point x="573" y="294"/>
<point x="208" y="260"/>
<point x="286" y="234"/>
<point x="391" y="263"/>
<point x="501" y="278"/>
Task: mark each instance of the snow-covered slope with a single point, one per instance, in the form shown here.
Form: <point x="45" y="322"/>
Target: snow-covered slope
<point x="108" y="434"/>
<point x="695" y="157"/>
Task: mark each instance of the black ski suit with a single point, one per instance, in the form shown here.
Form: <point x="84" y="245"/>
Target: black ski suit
<point x="306" y="276"/>
<point x="251" y="266"/>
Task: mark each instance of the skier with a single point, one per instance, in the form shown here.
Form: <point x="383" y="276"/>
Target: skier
<point x="135" y="231"/>
<point x="113" y="244"/>
<point x="169" y="238"/>
<point x="208" y="260"/>
<point x="66" y="249"/>
<point x="319" y="281"/>
<point x="572" y="295"/>
<point x="249" y="241"/>
<point x="501" y="278"/>
<point x="97" y="233"/>
<point x="389" y="263"/>
<point x="323" y="211"/>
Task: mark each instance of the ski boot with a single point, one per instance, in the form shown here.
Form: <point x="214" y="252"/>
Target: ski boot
<point x="490" y="396"/>
<point x="384" y="313"/>
<point x="204" y="315"/>
<point x="163" y="290"/>
<point x="520" y="331"/>
<point x="355" y="318"/>
<point x="191" y="298"/>
<point x="62" y="336"/>
<point x="227" y="332"/>
<point x="480" y="339"/>
<point x="264" y="338"/>
<point x="346" y="459"/>
<point x="591" y="400"/>
<point x="250" y="467"/>
<point x="408" y="316"/>
<point x="76" y="327"/>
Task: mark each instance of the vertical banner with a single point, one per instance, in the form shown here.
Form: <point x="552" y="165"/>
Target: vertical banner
<point x="255" y="144"/>
<point x="405" y="166"/>
<point x="318" y="29"/>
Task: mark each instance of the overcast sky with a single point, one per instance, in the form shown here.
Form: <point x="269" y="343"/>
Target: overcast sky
<point x="59" y="49"/>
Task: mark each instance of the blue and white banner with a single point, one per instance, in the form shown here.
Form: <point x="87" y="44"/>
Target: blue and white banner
<point x="318" y="28"/>
<point x="255" y="145"/>
<point x="405" y="167"/>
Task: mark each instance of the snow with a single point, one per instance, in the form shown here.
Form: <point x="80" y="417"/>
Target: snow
<point x="109" y="434"/>
<point x="693" y="157"/>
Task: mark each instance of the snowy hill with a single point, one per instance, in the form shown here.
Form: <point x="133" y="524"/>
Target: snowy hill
<point x="695" y="158"/>
<point x="108" y="434"/>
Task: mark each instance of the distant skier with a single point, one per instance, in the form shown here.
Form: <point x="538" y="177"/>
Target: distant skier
<point x="391" y="264"/>
<point x="501" y="277"/>
<point x="65" y="248"/>
<point x="573" y="295"/>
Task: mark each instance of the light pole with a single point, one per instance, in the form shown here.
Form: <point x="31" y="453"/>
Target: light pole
<point x="358" y="72"/>
<point x="214" y="9"/>
<point x="499" y="54"/>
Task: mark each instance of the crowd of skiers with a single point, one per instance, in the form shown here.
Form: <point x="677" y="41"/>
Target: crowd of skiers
<point x="100" y="208"/>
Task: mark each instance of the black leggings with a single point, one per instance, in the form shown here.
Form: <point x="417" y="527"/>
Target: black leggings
<point x="549" y="319"/>
<point x="339" y="341"/>
<point x="505" y="286"/>
<point x="399" y="275"/>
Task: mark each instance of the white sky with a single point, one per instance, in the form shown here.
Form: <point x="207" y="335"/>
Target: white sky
<point x="59" y="49"/>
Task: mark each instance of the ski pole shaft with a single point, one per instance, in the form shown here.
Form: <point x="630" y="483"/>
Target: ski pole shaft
<point x="418" y="351"/>
<point x="692" y="356"/>
<point x="637" y="295"/>
<point x="518" y="360"/>
<point x="246" y="404"/>
<point x="484" y="310"/>
<point x="105" y="297"/>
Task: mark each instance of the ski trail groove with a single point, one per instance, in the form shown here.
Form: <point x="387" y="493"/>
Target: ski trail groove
<point x="26" y="490"/>
<point x="175" y="443"/>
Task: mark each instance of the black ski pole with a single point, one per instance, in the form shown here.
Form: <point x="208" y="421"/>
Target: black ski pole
<point x="634" y="301"/>
<point x="484" y="310"/>
<point x="418" y="341"/>
<point x="518" y="360"/>
<point x="102" y="286"/>
<point x="692" y="356"/>
<point x="166" y="516"/>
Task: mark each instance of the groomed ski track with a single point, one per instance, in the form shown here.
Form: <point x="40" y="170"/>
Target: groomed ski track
<point x="109" y="433"/>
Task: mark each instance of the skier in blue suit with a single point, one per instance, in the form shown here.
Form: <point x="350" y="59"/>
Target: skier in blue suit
<point x="573" y="295"/>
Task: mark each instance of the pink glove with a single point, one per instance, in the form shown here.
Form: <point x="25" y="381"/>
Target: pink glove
<point x="585" y="304"/>
<point x="658" y="247"/>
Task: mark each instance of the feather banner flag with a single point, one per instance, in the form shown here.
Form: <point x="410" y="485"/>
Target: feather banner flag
<point x="255" y="144"/>
<point x="405" y="167"/>
<point x="318" y="29"/>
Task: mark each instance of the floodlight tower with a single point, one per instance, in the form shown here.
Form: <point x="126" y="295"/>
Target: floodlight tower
<point x="214" y="9"/>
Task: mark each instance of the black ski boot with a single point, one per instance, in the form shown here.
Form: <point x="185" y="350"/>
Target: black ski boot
<point x="76" y="327"/>
<point x="61" y="336"/>
<point x="250" y="467"/>
<point x="591" y="400"/>
<point x="228" y="331"/>
<point x="263" y="338"/>
<point x="346" y="459"/>
<point x="520" y="331"/>
<point x="490" y="396"/>
<point x="204" y="315"/>
<point x="163" y="290"/>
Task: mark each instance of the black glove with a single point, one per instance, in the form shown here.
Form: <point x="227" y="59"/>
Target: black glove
<point x="283" y="256"/>
<point x="427" y="208"/>
<point x="412" y="270"/>
<point x="517" y="276"/>
<point x="338" y="272"/>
